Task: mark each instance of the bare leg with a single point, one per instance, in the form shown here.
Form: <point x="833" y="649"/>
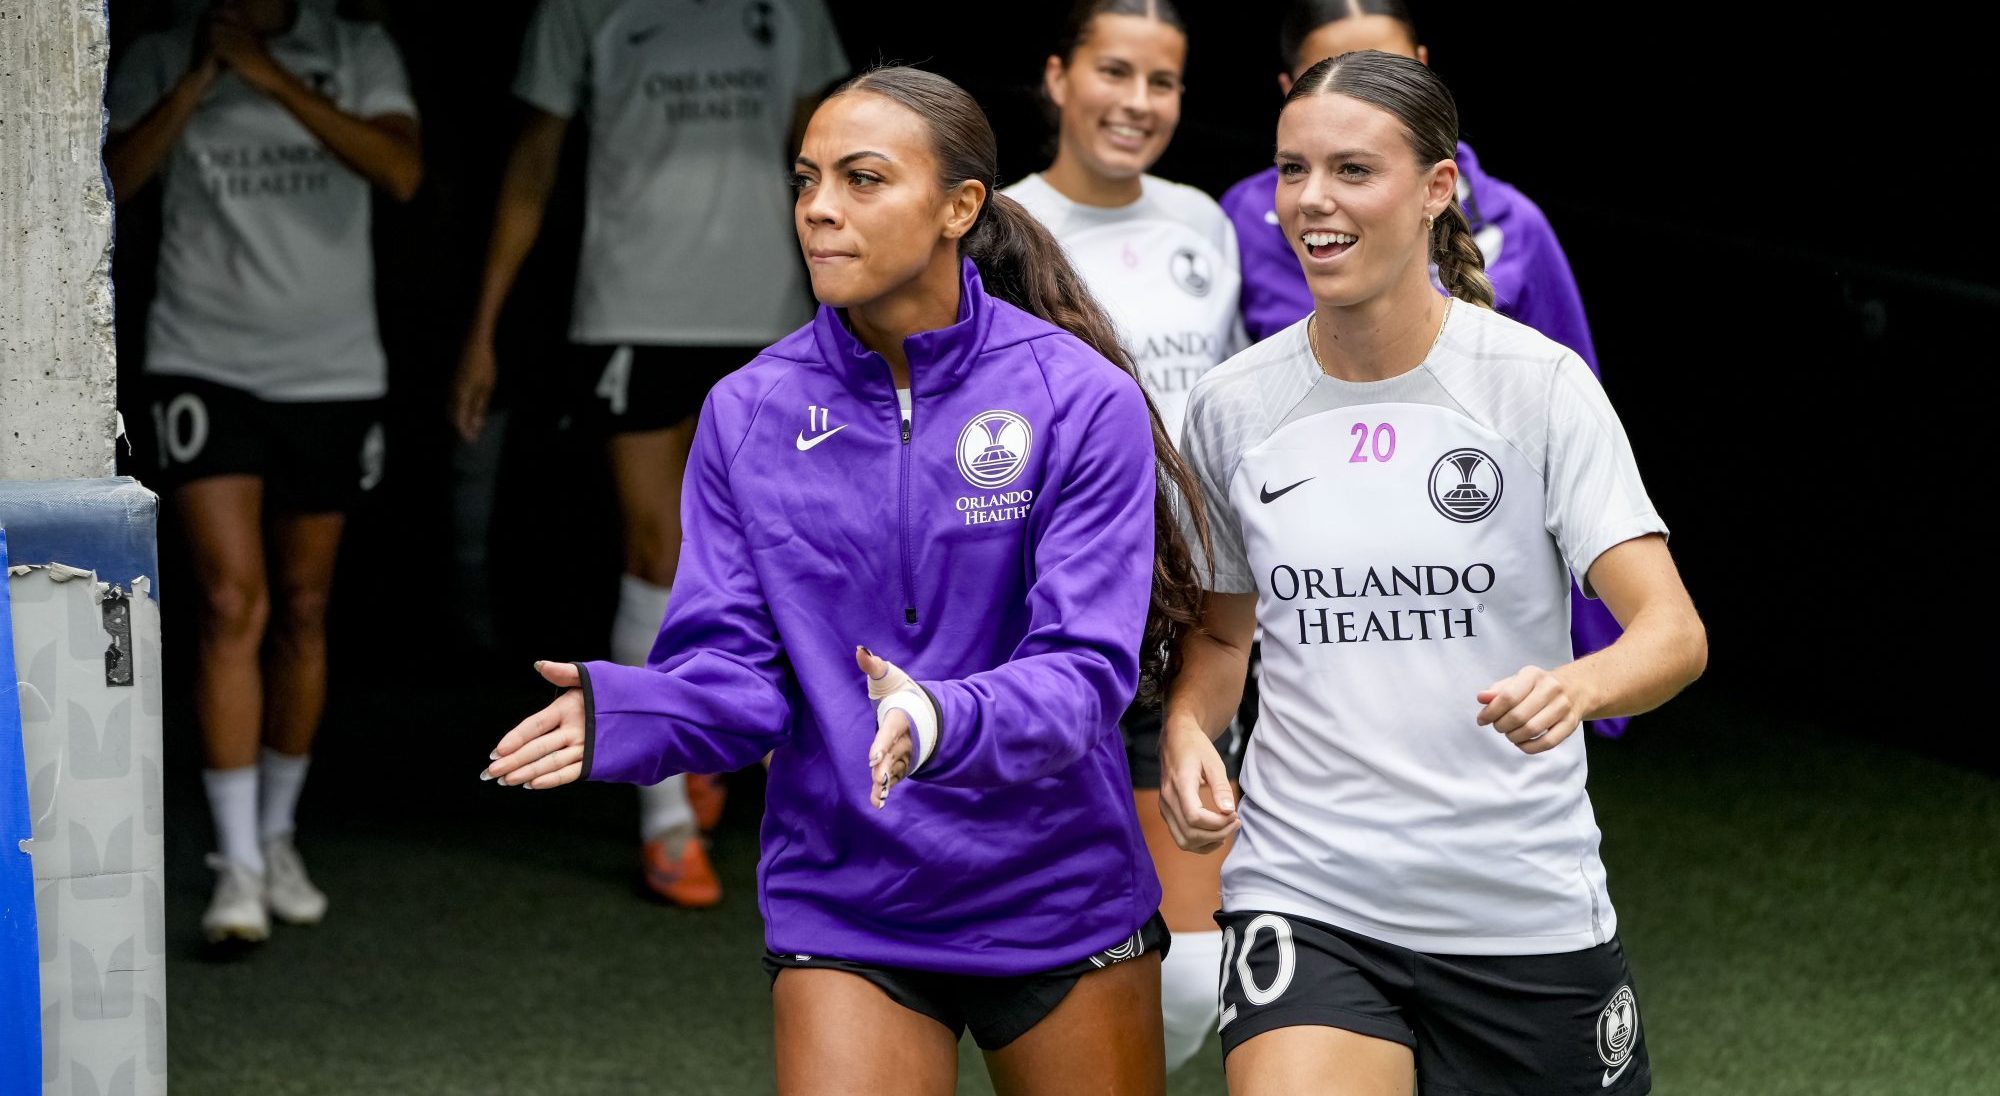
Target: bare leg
<point x="1320" y="1061"/>
<point x="303" y="550"/>
<point x="1104" y="1037"/>
<point x="223" y="517"/>
<point x="838" y="1035"/>
<point x="647" y="468"/>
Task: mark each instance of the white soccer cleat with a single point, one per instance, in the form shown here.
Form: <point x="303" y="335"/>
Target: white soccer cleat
<point x="237" y="910"/>
<point x="288" y="893"/>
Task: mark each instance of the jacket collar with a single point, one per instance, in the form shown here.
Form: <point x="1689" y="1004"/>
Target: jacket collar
<point x="940" y="360"/>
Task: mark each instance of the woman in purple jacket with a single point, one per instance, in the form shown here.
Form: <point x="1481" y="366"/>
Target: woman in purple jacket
<point x="1530" y="274"/>
<point x="954" y="466"/>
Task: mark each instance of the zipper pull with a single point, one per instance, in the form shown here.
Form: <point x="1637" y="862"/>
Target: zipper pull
<point x="909" y="616"/>
<point x="906" y="431"/>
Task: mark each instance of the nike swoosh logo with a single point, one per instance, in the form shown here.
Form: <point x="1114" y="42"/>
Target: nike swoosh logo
<point x="1611" y="1075"/>
<point x="1269" y="496"/>
<point x="638" y="37"/>
<point x="806" y="443"/>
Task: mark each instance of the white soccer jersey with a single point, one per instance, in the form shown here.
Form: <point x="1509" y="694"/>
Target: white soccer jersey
<point x="688" y="236"/>
<point x="266" y="276"/>
<point x="1165" y="270"/>
<point x="1409" y="542"/>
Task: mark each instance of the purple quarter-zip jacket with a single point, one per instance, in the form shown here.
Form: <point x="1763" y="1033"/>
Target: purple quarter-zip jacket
<point x="1000" y="551"/>
<point x="1531" y="283"/>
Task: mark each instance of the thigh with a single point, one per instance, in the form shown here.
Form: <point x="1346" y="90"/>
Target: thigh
<point x="647" y="469"/>
<point x="303" y="550"/>
<point x="839" y="1034"/>
<point x="222" y="519"/>
<point x="1319" y="1061"/>
<point x="1104" y="1036"/>
<point x="1533" y="1025"/>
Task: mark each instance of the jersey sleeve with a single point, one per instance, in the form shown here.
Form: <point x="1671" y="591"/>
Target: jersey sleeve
<point x="382" y="85"/>
<point x="141" y="78"/>
<point x="1075" y="671"/>
<point x="822" y="60"/>
<point x="1225" y="567"/>
<point x="1595" y="497"/>
<point x="555" y="57"/>
<point x="1232" y="257"/>
<point x="713" y="695"/>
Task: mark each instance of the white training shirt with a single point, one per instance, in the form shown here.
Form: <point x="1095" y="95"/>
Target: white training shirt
<point x="688" y="236"/>
<point x="1165" y="270"/>
<point x="1410" y="542"/>
<point x="266" y="276"/>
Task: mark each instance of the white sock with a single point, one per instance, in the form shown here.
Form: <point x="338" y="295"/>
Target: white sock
<point x="280" y="779"/>
<point x="1189" y="979"/>
<point x="232" y="799"/>
<point x="641" y="608"/>
<point x="664" y="807"/>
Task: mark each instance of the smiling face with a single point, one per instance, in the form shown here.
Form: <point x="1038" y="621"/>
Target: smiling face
<point x="1352" y="198"/>
<point x="870" y="213"/>
<point x="1118" y="97"/>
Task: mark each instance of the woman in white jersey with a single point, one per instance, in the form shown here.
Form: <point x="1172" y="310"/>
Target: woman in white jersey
<point x="269" y="123"/>
<point x="1399" y="488"/>
<point x="688" y="269"/>
<point x="1160" y="257"/>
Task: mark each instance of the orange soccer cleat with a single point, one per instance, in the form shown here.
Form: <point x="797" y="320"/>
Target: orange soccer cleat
<point x="687" y="880"/>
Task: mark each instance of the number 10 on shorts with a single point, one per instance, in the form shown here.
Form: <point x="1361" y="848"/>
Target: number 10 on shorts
<point x="1238" y="963"/>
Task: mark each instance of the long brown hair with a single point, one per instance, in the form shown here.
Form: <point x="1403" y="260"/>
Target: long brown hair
<point x="1429" y="116"/>
<point x="1022" y="264"/>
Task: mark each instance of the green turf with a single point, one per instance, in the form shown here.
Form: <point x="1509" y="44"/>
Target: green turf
<point x="1804" y="914"/>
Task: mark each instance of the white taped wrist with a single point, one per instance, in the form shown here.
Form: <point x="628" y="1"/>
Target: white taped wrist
<point x="916" y="704"/>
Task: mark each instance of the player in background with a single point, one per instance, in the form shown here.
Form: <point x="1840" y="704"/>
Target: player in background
<point x="1524" y="262"/>
<point x="269" y="124"/>
<point x="1401" y="485"/>
<point x="687" y="271"/>
<point x="1160" y="259"/>
<point x="947" y="466"/>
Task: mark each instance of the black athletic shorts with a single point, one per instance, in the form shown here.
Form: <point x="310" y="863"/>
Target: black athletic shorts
<point x="997" y="1010"/>
<point x="1142" y="735"/>
<point x="634" y="389"/>
<point x="319" y="457"/>
<point x="1479" y="1025"/>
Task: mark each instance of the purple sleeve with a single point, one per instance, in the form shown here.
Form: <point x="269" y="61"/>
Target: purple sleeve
<point x="1547" y="299"/>
<point x="1274" y="295"/>
<point x="1074" y="672"/>
<point x="712" y="695"/>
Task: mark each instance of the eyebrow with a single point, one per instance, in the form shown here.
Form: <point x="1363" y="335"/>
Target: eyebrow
<point x="1343" y="154"/>
<point x="803" y="161"/>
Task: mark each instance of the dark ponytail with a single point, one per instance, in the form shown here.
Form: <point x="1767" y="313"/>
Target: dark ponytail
<point x="1022" y="264"/>
<point x="1419" y="100"/>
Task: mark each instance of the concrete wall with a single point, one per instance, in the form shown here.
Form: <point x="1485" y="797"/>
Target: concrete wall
<point x="58" y="376"/>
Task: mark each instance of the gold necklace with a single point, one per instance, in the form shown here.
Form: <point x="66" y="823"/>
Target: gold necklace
<point x="1312" y="335"/>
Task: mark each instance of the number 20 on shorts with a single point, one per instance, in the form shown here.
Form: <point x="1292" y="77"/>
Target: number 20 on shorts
<point x="1288" y="961"/>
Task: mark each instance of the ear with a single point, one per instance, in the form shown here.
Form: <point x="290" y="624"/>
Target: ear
<point x="1284" y="84"/>
<point x="1440" y="187"/>
<point x="1424" y="56"/>
<point x="961" y="208"/>
<point x="1055" y="80"/>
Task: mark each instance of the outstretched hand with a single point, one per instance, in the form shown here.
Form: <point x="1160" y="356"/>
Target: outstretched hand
<point x="545" y="750"/>
<point x="894" y="750"/>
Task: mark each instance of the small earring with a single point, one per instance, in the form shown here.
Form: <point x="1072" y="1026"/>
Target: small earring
<point x="1429" y="222"/>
